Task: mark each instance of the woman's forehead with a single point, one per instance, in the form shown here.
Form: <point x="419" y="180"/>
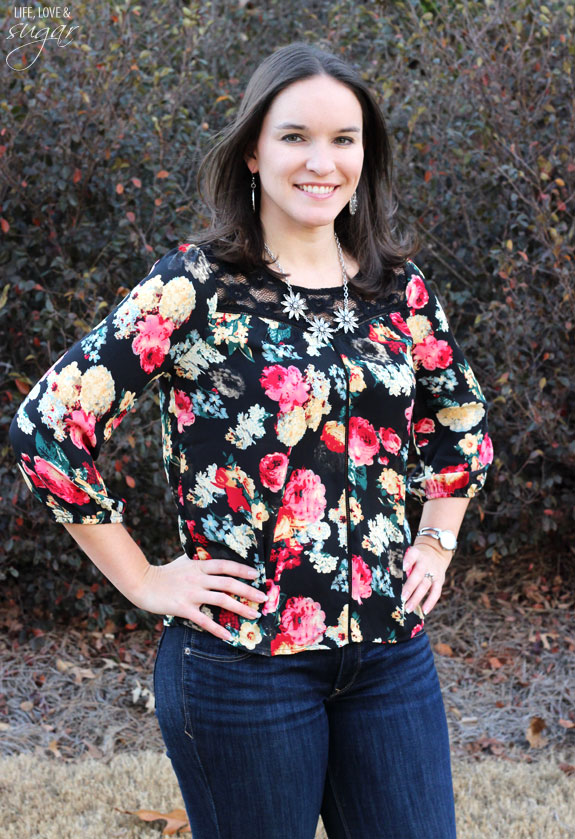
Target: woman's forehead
<point x="315" y="100"/>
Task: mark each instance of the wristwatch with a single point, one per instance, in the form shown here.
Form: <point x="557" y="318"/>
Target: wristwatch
<point x="446" y="538"/>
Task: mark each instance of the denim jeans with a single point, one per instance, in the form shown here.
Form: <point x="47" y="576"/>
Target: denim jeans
<point x="261" y="746"/>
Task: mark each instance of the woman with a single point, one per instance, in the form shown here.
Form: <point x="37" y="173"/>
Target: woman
<point x="298" y="351"/>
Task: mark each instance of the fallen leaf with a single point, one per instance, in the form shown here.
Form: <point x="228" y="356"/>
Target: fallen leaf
<point x="443" y="649"/>
<point x="176" y="820"/>
<point x="533" y="734"/>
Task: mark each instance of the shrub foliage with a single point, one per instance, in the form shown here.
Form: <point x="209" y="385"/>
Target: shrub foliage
<point x="100" y="143"/>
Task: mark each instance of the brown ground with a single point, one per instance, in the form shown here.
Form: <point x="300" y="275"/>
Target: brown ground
<point x="504" y="640"/>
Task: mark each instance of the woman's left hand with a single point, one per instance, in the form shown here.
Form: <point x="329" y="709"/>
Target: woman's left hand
<point x="418" y="560"/>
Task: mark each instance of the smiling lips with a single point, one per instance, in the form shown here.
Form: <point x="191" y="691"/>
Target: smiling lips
<point x="317" y="190"/>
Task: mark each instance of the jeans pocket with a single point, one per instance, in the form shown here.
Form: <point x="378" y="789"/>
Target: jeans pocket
<point x="158" y="648"/>
<point x="203" y="644"/>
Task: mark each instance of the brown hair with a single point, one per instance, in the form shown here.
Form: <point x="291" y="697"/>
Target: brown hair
<point x="236" y="235"/>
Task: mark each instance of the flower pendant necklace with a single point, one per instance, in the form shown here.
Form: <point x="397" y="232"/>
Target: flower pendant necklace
<point x="294" y="305"/>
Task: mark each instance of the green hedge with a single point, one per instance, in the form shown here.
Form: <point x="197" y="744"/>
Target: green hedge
<point x="99" y="148"/>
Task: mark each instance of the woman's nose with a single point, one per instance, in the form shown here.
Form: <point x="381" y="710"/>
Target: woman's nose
<point x="320" y="161"/>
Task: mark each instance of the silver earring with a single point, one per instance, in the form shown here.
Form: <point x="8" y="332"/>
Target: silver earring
<point x="253" y="186"/>
<point x="353" y="204"/>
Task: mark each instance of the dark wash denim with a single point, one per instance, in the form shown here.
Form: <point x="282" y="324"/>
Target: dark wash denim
<point x="262" y="745"/>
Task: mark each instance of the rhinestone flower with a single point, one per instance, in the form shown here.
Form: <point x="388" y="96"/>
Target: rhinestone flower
<point x="294" y="304"/>
<point x="346" y="319"/>
<point x="321" y="331"/>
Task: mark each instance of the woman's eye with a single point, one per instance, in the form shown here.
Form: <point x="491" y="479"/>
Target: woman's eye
<point x="347" y="140"/>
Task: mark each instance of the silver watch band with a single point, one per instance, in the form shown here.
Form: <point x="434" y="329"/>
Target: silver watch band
<point x="446" y="538"/>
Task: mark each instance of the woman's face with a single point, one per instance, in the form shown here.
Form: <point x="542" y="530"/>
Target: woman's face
<point x="309" y="154"/>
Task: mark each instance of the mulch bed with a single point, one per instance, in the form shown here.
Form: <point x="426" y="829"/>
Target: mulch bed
<point x="503" y="635"/>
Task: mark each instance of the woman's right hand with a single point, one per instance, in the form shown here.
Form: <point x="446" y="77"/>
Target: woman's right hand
<point x="180" y="587"/>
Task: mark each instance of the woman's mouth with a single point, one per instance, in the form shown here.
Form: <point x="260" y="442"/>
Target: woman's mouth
<point x="316" y="191"/>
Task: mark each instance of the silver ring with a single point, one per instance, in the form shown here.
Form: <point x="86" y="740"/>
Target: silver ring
<point x="430" y="575"/>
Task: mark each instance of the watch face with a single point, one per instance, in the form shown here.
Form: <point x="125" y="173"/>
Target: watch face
<point x="447" y="540"/>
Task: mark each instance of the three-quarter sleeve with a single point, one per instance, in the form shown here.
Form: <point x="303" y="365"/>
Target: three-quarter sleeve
<point x="449" y="420"/>
<point x="59" y="428"/>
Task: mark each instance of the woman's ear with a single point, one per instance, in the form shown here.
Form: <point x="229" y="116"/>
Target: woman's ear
<point x="251" y="159"/>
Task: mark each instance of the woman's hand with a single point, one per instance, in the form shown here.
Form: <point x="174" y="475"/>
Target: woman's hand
<point x="183" y="585"/>
<point x="417" y="561"/>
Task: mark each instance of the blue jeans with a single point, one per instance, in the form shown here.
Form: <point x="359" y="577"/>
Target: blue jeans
<point x="261" y="746"/>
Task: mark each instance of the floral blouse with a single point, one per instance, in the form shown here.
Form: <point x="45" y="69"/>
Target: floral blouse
<point x="284" y="450"/>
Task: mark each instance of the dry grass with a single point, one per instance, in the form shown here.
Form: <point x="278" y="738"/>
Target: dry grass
<point x="79" y="736"/>
<point x="46" y="799"/>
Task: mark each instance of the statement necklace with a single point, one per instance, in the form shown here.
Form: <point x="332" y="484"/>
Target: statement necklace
<point x="294" y="305"/>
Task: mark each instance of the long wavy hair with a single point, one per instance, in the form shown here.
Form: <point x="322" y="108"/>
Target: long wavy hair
<point x="371" y="236"/>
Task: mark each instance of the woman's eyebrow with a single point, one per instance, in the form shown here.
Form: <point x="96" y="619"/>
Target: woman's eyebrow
<point x="292" y="125"/>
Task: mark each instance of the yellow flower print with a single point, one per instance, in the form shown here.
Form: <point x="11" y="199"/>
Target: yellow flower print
<point x="339" y="631"/>
<point x="337" y="514"/>
<point x="390" y="481"/>
<point x="291" y="426"/>
<point x="355" y="510"/>
<point x="149" y="294"/>
<point x="259" y="515"/>
<point x="69" y="384"/>
<point x="230" y="328"/>
<point x="356" y="380"/>
<point x="314" y="410"/>
<point x="178" y="300"/>
<point x="461" y="417"/>
<point x="468" y="444"/>
<point x="250" y="634"/>
<point x="419" y="326"/>
<point x="355" y="631"/>
<point x="398" y="615"/>
<point x="98" y="390"/>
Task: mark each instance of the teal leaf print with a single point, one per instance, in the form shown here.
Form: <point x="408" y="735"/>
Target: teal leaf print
<point x="52" y="453"/>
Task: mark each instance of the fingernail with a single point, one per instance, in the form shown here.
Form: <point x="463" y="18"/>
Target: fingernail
<point x="254" y="614"/>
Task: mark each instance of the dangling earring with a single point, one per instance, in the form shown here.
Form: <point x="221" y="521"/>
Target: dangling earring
<point x="253" y="186"/>
<point x="353" y="204"/>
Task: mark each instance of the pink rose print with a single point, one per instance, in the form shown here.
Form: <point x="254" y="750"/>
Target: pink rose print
<point x="399" y="322"/>
<point x="304" y="497"/>
<point x="273" y="593"/>
<point x="236" y="498"/>
<point x="82" y="427"/>
<point x="286" y="558"/>
<point x="363" y="442"/>
<point x="433" y="354"/>
<point x="184" y="412"/>
<point x="287" y="387"/>
<point x="58" y="483"/>
<point x="416" y="629"/>
<point x="273" y="470"/>
<point x="333" y="435"/>
<point x="453" y="477"/>
<point x="303" y="620"/>
<point x="416" y="292"/>
<point x="391" y="441"/>
<point x="153" y="342"/>
<point x="395" y="346"/>
<point x="408" y="416"/>
<point x="360" y="579"/>
<point x="485" y="452"/>
<point x="424" y="426"/>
